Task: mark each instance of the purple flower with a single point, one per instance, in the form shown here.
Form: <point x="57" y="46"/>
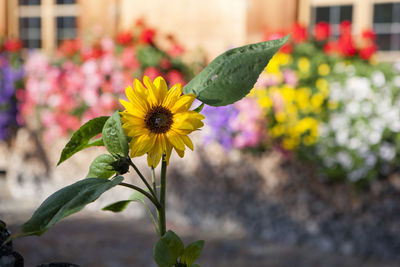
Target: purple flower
<point x="218" y="125"/>
<point x="11" y="72"/>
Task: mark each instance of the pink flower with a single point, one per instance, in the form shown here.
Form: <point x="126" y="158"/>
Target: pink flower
<point x="152" y="72"/>
<point x="249" y="124"/>
<point x="174" y="77"/>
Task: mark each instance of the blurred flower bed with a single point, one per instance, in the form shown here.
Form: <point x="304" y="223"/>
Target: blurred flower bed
<point x="84" y="79"/>
<point x="11" y="83"/>
<point x="324" y="99"/>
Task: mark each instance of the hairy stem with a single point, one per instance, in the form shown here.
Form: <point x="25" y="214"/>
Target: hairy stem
<point x="161" y="211"/>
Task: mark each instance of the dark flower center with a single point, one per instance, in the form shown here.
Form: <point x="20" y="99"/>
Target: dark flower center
<point x="158" y="120"/>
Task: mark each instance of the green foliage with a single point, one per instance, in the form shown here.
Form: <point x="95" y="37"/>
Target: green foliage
<point x="114" y="138"/>
<point x="81" y="138"/>
<point x="199" y="108"/>
<point x="149" y="56"/>
<point x="101" y="167"/>
<point x="192" y="252"/>
<point x="231" y="76"/>
<point x="170" y="248"/>
<point x="65" y="202"/>
<point x="121" y="205"/>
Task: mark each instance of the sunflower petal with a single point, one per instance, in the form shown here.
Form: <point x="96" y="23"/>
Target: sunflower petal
<point x="183" y="104"/>
<point x="141" y="145"/>
<point x="173" y="95"/>
<point x="162" y="87"/>
<point x="187" y="142"/>
<point x="176" y="140"/>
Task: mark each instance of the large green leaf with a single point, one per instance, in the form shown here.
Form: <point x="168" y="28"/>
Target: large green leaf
<point x="101" y="167"/>
<point x="231" y="76"/>
<point x="65" y="202"/>
<point x="81" y="138"/>
<point x="168" y="249"/>
<point x="192" y="252"/>
<point x="114" y="138"/>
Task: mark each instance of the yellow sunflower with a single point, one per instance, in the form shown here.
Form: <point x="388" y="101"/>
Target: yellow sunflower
<point x="158" y="119"/>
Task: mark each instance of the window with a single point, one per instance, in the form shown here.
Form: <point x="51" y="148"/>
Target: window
<point x="30" y="24"/>
<point x="44" y="24"/>
<point x="386" y="23"/>
<point x="65" y="2"/>
<point x="29" y="2"/>
<point x="30" y="31"/>
<point x="66" y="28"/>
<point x="334" y="15"/>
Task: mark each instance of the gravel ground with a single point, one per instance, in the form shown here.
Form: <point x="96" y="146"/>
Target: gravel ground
<point x="96" y="239"/>
<point x="252" y="211"/>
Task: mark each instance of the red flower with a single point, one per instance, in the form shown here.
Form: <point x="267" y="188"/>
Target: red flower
<point x="165" y="63"/>
<point x="12" y="45"/>
<point x="174" y="77"/>
<point x="369" y="35"/>
<point x="152" y="72"/>
<point x="176" y="50"/>
<point x="93" y="52"/>
<point x="345" y="27"/>
<point x="299" y="33"/>
<point x="331" y="47"/>
<point x="147" y="36"/>
<point x="346" y="46"/>
<point x="68" y="48"/>
<point x="286" y="48"/>
<point x="368" y="51"/>
<point x="124" y="38"/>
<point x="322" y="31"/>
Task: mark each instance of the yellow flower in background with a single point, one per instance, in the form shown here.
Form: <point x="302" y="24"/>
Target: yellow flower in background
<point x="303" y="64"/>
<point x="280" y="116"/>
<point x="158" y="119"/>
<point x="324" y="69"/>
<point x="322" y="85"/>
<point x="278" y="60"/>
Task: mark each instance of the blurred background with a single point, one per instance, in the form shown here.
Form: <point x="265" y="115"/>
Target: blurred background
<point x="304" y="171"/>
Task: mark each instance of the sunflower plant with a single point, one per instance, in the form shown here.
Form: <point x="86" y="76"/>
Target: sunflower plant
<point x="156" y="120"/>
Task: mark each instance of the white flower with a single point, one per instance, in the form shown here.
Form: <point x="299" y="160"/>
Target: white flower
<point x="374" y="137"/>
<point x="344" y="159"/>
<point x="387" y="151"/>
<point x="378" y="79"/>
<point x="353" y="108"/>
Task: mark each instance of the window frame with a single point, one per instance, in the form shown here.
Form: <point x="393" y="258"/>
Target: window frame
<point x="48" y="11"/>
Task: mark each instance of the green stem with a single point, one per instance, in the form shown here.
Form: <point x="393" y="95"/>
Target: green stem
<point x="149" y="196"/>
<point x="153" y="180"/>
<point x="161" y="211"/>
<point x="143" y="179"/>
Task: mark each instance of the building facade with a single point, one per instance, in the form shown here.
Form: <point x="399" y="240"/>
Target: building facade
<point x="214" y="25"/>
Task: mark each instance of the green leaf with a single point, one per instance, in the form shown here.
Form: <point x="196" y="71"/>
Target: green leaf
<point x="101" y="167"/>
<point x="192" y="252"/>
<point x="168" y="249"/>
<point x="199" y="108"/>
<point x="121" y="205"/>
<point x="231" y="76"/>
<point x="81" y="138"/>
<point x="114" y="138"/>
<point x="65" y="202"/>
